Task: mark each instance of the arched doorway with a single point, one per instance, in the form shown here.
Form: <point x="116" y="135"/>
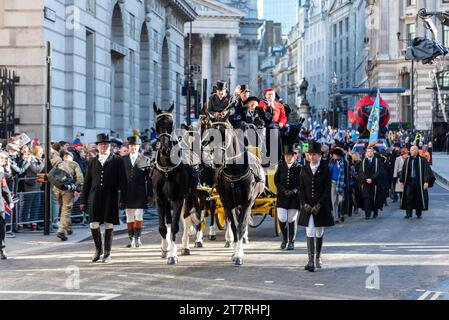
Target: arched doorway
<point x="146" y="117"/>
<point x="117" y="72"/>
<point x="166" y="98"/>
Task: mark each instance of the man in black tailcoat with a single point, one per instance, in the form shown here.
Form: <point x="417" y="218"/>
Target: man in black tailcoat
<point x="104" y="179"/>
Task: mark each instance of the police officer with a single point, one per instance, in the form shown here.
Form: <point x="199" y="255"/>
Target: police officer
<point x="286" y="179"/>
<point x="104" y="179"/>
<point x="66" y="193"/>
<point x="137" y="168"/>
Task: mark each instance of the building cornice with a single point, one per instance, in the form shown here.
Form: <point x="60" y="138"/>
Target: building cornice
<point x="183" y="7"/>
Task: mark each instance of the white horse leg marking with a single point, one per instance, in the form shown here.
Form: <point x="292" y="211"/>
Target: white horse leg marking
<point x="185" y="234"/>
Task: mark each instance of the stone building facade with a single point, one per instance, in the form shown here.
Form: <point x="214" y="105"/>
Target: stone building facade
<point x="394" y="25"/>
<point x="111" y="59"/>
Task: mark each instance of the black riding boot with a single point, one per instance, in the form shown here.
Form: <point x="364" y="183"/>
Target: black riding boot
<point x="284" y="234"/>
<point x="131" y="233"/>
<point x="107" y="245"/>
<point x="137" y="234"/>
<point x="319" y="245"/>
<point x="96" y="235"/>
<point x="291" y="235"/>
<point x="311" y="251"/>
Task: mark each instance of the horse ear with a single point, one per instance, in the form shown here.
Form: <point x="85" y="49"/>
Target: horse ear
<point x="172" y="107"/>
<point x="156" y="109"/>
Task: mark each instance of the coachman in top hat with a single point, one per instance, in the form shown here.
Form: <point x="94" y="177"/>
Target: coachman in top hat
<point x="104" y="179"/>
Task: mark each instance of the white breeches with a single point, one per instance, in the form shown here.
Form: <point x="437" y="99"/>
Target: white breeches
<point x="285" y="215"/>
<point x="312" y="231"/>
<point x="133" y="215"/>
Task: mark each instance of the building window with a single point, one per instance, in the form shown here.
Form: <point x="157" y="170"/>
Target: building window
<point x="410" y="33"/>
<point x="132" y="26"/>
<point x="413" y="2"/>
<point x="90" y="6"/>
<point x="446" y="34"/>
<point x="406" y="83"/>
<point x="347" y="64"/>
<point x="178" y="54"/>
<point x="90" y="79"/>
<point x="335" y="30"/>
<point x="155" y="81"/>
<point x="347" y="44"/>
<point x="347" y="25"/>
<point x="156" y="40"/>
<point x="340" y="27"/>
<point x="341" y="46"/>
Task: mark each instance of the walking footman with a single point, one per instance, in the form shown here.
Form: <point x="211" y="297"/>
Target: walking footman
<point x="314" y="195"/>
<point x="105" y="177"/>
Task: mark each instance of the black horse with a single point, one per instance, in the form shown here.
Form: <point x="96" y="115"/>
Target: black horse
<point x="172" y="183"/>
<point x="240" y="180"/>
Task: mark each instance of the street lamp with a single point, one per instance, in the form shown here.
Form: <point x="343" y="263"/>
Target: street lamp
<point x="334" y="92"/>
<point x="229" y="67"/>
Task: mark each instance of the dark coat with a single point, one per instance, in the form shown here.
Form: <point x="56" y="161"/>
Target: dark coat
<point x="259" y="117"/>
<point x="217" y="105"/>
<point x="314" y="189"/>
<point x="410" y="200"/>
<point x="374" y="171"/>
<point x="101" y="187"/>
<point x="138" y="179"/>
<point x="287" y="179"/>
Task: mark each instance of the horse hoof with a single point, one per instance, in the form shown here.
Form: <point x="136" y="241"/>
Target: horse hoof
<point x="172" y="261"/>
<point x="212" y="238"/>
<point x="164" y="254"/>
<point x="185" y="252"/>
<point x="227" y="244"/>
<point x="198" y="245"/>
<point x="238" y="261"/>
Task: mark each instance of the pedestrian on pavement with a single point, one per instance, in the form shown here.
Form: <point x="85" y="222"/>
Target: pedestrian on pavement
<point x="314" y="196"/>
<point x="286" y="179"/>
<point x="66" y="193"/>
<point x="139" y="189"/>
<point x="338" y="170"/>
<point x="4" y="158"/>
<point x="417" y="177"/>
<point x="370" y="181"/>
<point x="398" y="165"/>
<point x="105" y="177"/>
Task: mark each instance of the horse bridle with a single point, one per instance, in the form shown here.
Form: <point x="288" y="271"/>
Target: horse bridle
<point x="165" y="170"/>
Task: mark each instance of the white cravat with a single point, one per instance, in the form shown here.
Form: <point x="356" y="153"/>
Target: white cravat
<point x="314" y="167"/>
<point x="133" y="157"/>
<point x="103" y="157"/>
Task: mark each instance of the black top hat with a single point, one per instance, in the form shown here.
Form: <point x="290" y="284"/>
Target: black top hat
<point x="244" y="87"/>
<point x="314" y="147"/>
<point x="134" y="140"/>
<point x="252" y="99"/>
<point x="221" y="85"/>
<point x="103" y="138"/>
<point x="338" y="151"/>
<point x="288" y="149"/>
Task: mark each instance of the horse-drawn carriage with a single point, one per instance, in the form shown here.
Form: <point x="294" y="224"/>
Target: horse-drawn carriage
<point x="265" y="204"/>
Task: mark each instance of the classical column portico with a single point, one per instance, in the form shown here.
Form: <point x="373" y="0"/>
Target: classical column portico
<point x="206" y="60"/>
<point x="233" y="58"/>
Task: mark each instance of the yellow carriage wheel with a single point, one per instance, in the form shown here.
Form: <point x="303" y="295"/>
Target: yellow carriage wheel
<point x="277" y="225"/>
<point x="221" y="220"/>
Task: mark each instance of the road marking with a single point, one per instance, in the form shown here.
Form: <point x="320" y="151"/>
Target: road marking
<point x="424" y="295"/>
<point x="436" y="295"/>
<point x="269" y="281"/>
<point x="319" y="284"/>
<point x="421" y="290"/>
<point x="122" y="275"/>
<point x="219" y="279"/>
<point x="103" y="296"/>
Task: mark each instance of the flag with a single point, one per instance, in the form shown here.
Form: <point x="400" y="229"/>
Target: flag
<point x="373" y="121"/>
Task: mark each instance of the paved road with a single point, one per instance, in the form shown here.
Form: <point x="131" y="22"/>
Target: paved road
<point x="386" y="258"/>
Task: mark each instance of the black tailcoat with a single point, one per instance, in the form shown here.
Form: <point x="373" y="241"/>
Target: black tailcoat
<point x="414" y="195"/>
<point x="138" y="179"/>
<point x="314" y="189"/>
<point x="287" y="179"/>
<point x="101" y="189"/>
